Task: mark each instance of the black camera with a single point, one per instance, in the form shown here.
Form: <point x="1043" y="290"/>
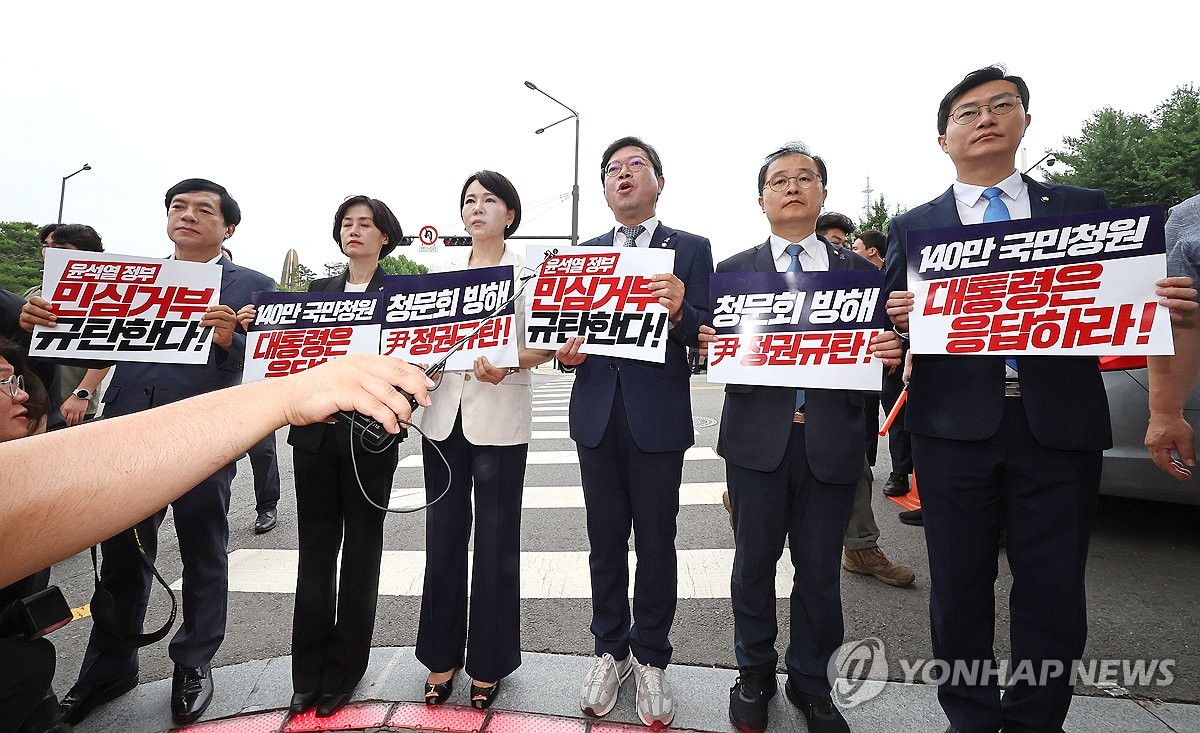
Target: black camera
<point x="36" y="615"/>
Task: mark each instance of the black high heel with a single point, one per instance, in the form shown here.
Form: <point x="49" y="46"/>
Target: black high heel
<point x="482" y="697"/>
<point x="439" y="693"/>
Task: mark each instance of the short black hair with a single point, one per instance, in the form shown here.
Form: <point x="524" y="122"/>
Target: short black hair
<point x="874" y="238"/>
<point x="498" y="184"/>
<point x="38" y="404"/>
<point x="79" y="236"/>
<point x="230" y="211"/>
<point x="626" y="142"/>
<point x="834" y="220"/>
<point x="385" y="221"/>
<point x="977" y="78"/>
<point x="46" y="230"/>
<point x="795" y="147"/>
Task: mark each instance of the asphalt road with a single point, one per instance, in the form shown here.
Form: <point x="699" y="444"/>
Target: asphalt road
<point x="1142" y="579"/>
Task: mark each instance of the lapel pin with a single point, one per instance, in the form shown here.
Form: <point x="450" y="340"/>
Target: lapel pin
<point x="1045" y="199"/>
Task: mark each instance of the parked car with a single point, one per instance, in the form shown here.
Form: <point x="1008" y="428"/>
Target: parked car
<point x="1128" y="470"/>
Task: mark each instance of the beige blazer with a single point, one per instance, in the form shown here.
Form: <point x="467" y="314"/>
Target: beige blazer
<point x="492" y="414"/>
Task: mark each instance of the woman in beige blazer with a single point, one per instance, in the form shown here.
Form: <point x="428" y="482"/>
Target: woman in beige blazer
<point x="481" y="421"/>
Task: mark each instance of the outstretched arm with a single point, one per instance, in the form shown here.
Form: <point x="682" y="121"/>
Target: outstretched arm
<point x="67" y="490"/>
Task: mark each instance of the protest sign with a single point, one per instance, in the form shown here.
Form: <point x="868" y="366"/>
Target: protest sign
<point x="292" y="332"/>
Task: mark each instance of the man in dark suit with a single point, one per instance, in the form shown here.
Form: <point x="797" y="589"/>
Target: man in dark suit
<point x="200" y="216"/>
<point x="632" y="422"/>
<point x="997" y="448"/>
<point x="792" y="460"/>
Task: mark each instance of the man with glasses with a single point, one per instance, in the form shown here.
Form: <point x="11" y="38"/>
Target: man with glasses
<point x="792" y="477"/>
<point x="632" y="422"/>
<point x="1001" y="447"/>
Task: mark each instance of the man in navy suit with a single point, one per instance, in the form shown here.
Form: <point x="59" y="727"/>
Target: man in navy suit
<point x="632" y="422"/>
<point x="792" y="461"/>
<point x="200" y="216"/>
<point x="997" y="448"/>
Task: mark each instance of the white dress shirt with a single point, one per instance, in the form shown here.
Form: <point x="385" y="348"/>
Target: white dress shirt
<point x="813" y="258"/>
<point x="971" y="203"/>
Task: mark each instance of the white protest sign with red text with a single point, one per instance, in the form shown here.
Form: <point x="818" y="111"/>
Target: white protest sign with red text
<point x="1080" y="284"/>
<point x="602" y="294"/>
<point x="125" y="308"/>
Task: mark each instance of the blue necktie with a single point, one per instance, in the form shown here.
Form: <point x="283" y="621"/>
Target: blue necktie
<point x="997" y="211"/>
<point x="794" y="251"/>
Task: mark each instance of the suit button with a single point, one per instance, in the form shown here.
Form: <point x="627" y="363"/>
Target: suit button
<point x="612" y="366"/>
<point x="145" y="390"/>
<point x="466" y="377"/>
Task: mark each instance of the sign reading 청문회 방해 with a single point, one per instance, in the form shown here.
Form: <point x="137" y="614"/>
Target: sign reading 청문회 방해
<point x="796" y="329"/>
<point x="1079" y="284"/>
<point x="126" y="308"/>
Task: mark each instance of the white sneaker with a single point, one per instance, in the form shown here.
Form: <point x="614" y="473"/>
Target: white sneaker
<point x="655" y="701"/>
<point x="599" y="692"/>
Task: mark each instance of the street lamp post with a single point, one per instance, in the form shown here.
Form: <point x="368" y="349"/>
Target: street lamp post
<point x="62" y="194"/>
<point x="575" y="186"/>
<point x="1048" y="157"/>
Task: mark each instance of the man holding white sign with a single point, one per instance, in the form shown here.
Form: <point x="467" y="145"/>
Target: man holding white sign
<point x="632" y="422"/>
<point x="792" y="460"/>
<point x="998" y="446"/>
<point x="201" y="215"/>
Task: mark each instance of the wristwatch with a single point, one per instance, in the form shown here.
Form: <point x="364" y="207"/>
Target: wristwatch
<point x="82" y="393"/>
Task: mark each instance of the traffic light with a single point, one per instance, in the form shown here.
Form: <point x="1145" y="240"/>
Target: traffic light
<point x="407" y="241"/>
<point x="456" y="241"/>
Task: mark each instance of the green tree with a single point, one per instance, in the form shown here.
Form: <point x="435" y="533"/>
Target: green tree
<point x="304" y="277"/>
<point x="20" y="256"/>
<point x="1138" y="159"/>
<point x="876" y="217"/>
<point x="401" y="265"/>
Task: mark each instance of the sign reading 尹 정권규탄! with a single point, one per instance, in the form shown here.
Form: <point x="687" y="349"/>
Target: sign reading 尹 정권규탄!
<point x="1079" y="284"/>
<point x="427" y="315"/>
<point x="126" y="308"/>
<point x="796" y="329"/>
<point x="602" y="294"/>
<point x="292" y="332"/>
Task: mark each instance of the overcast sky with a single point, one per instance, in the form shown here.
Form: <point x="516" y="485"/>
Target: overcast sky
<point x="295" y="106"/>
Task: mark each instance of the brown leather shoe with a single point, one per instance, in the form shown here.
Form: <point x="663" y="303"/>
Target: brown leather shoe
<point x="871" y="561"/>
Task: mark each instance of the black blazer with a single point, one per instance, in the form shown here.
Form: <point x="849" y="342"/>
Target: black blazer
<point x="962" y="397"/>
<point x="657" y="397"/>
<point x="309" y="437"/>
<point x="756" y="421"/>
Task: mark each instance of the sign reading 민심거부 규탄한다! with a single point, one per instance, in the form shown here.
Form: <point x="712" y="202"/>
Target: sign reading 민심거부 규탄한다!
<point x="1079" y="284"/>
<point x="125" y="308"/>
<point x="602" y="294"/>
<point x="427" y="315"/>
<point x="796" y="329"/>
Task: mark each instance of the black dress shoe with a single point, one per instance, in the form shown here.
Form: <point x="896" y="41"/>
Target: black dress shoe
<point x="266" y="521"/>
<point x="819" y="711"/>
<point x="897" y="485"/>
<point x="83" y="699"/>
<point x="748" y="700"/>
<point x="331" y="703"/>
<point x="482" y="697"/>
<point x="439" y="693"/>
<point x="46" y="717"/>
<point x="913" y="517"/>
<point x="191" y="692"/>
<point x="302" y="701"/>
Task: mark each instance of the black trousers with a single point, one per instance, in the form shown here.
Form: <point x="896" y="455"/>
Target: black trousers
<point x="769" y="507"/>
<point x="626" y="488"/>
<point x="25" y="677"/>
<point x="264" y="460"/>
<point x="202" y="526"/>
<point x="335" y="614"/>
<point x="1045" y="501"/>
<point x="491" y="631"/>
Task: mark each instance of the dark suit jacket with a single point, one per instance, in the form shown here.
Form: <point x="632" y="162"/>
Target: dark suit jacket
<point x="756" y="421"/>
<point x="309" y="437"/>
<point x="962" y="397"/>
<point x="139" y="386"/>
<point x="657" y="397"/>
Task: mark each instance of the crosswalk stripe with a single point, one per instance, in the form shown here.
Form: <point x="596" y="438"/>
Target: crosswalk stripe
<point x="550" y="418"/>
<point x="702" y="573"/>
<point x="551" y="435"/>
<point x="571" y="497"/>
<point x="560" y="457"/>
